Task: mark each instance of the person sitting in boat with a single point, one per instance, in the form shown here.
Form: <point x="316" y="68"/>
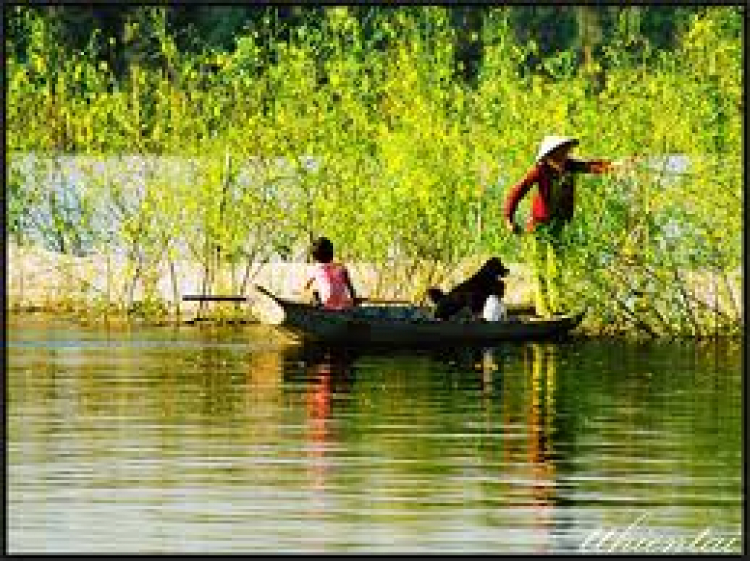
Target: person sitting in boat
<point x="332" y="286"/>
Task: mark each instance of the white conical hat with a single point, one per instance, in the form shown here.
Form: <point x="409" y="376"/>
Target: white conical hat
<point x="550" y="143"/>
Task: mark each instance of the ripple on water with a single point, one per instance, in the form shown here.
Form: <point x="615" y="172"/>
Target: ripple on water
<point x="149" y="443"/>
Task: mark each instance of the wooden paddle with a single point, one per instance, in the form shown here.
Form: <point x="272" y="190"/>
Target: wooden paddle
<point x="385" y="301"/>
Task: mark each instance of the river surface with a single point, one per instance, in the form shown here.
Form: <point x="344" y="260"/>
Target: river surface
<point x="224" y="440"/>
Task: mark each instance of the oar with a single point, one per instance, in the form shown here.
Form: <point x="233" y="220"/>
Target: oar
<point x="385" y="301"/>
<point x="270" y="294"/>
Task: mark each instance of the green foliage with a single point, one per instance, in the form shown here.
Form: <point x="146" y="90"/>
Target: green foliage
<point x="362" y="124"/>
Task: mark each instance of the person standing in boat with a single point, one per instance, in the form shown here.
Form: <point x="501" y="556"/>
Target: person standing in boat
<point x="551" y="208"/>
<point x="330" y="281"/>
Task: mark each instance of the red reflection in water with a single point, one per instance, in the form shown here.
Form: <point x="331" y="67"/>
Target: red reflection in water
<point x="326" y="376"/>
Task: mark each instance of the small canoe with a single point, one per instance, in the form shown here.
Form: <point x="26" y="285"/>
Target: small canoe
<point x="400" y="325"/>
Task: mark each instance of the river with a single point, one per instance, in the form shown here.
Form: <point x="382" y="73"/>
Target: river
<point x="224" y="440"/>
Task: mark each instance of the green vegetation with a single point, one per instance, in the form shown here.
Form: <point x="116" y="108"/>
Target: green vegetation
<point x="416" y="130"/>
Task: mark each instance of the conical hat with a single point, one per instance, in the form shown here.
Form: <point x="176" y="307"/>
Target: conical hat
<point x="550" y="143"/>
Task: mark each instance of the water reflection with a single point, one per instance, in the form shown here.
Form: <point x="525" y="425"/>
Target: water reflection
<point x="540" y="449"/>
<point x="527" y="471"/>
<point x="328" y="373"/>
<point x="517" y="393"/>
<point x="209" y="442"/>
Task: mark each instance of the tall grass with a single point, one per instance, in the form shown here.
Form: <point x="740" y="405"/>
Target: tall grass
<point x="381" y="148"/>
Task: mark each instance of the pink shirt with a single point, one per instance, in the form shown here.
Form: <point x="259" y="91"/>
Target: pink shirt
<point x="331" y="283"/>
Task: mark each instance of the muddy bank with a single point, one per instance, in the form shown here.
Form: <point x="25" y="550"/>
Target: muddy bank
<point x="97" y="285"/>
<point x="41" y="279"/>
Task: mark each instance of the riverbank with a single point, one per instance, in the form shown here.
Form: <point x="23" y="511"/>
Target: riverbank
<point x="95" y="287"/>
<point x="41" y="280"/>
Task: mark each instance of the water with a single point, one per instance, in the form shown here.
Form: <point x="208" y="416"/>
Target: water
<point x="164" y="440"/>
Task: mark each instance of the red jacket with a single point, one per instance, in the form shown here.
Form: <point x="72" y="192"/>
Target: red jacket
<point x="556" y="191"/>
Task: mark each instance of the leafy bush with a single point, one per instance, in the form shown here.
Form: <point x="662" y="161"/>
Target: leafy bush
<point x="372" y="139"/>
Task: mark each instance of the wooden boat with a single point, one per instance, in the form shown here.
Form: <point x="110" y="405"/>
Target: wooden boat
<point x="400" y="325"/>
